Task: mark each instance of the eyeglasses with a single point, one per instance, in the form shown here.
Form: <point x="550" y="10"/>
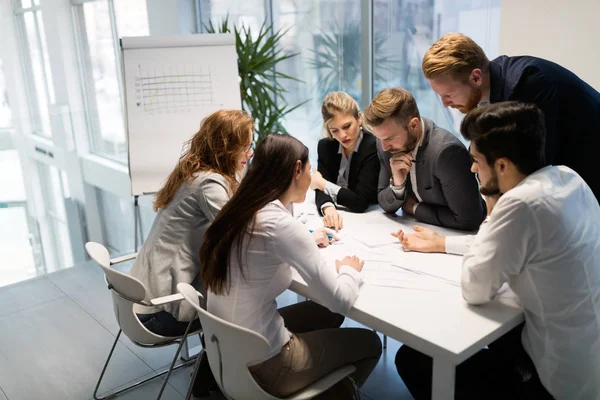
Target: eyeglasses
<point x="249" y="148"/>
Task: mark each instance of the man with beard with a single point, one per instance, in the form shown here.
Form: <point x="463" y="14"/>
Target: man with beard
<point x="424" y="168"/>
<point x="459" y="71"/>
<point x="542" y="239"/>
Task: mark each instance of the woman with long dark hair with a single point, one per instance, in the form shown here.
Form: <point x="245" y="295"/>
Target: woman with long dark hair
<point x="247" y="257"/>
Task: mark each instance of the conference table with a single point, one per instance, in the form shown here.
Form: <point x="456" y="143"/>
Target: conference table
<point x="414" y="298"/>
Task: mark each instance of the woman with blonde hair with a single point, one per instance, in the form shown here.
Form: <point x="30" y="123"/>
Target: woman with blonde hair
<point x="348" y="166"/>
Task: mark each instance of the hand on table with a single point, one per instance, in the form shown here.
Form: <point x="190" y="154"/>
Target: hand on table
<point x="332" y="219"/>
<point x="352" y="262"/>
<point x="424" y="240"/>
<point x="324" y="237"/>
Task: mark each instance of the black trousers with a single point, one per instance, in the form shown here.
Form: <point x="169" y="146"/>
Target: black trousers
<point x="502" y="371"/>
<point x="164" y="323"/>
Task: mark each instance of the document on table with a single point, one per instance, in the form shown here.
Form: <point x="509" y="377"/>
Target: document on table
<point x="386" y="275"/>
<point x="382" y="267"/>
<point x="374" y="235"/>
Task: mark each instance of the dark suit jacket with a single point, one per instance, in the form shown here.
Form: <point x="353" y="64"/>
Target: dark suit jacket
<point x="571" y="108"/>
<point x="445" y="182"/>
<point x="362" y="177"/>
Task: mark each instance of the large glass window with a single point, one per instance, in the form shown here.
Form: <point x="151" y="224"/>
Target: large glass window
<point x="326" y="34"/>
<point x="55" y="191"/>
<point x="405" y="29"/>
<point x="250" y="13"/>
<point x="118" y="221"/>
<point x="19" y="243"/>
<point x="36" y="65"/>
<point x="5" y="113"/>
<point x="100" y="24"/>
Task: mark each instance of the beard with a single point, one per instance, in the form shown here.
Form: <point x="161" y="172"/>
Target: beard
<point x="491" y="188"/>
<point x="472" y="101"/>
<point x="411" y="143"/>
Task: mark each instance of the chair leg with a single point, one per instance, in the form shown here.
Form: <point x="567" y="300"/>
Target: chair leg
<point x="384" y="341"/>
<point x="114" y="394"/>
<point x="104" y="369"/>
<point x="355" y="385"/>
<point x="181" y="344"/>
<point x="188" y="395"/>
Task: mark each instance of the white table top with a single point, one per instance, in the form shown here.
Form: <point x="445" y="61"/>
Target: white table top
<point x="428" y="313"/>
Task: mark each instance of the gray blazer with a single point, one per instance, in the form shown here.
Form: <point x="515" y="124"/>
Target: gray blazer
<point x="445" y="182"/>
<point x="170" y="255"/>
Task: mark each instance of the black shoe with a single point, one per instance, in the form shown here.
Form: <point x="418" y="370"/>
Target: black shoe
<point x="205" y="381"/>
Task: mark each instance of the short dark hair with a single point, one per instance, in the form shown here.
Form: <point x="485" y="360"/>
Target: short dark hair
<point x="510" y="129"/>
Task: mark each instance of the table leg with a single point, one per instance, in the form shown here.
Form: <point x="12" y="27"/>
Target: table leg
<point x="443" y="380"/>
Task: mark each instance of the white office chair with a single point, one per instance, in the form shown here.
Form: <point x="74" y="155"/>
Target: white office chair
<point x="231" y="348"/>
<point x="127" y="293"/>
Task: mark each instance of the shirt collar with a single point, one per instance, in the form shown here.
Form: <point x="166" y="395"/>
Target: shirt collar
<point x="485" y="101"/>
<point x="360" y="138"/>
<point x="421" y="139"/>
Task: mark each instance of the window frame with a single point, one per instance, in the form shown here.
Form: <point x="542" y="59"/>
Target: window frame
<point x="87" y="78"/>
<point x="33" y="105"/>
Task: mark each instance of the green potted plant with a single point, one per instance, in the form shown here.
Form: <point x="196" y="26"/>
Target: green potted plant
<point x="263" y="96"/>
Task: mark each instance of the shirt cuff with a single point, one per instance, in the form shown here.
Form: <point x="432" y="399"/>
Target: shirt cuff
<point x="348" y="270"/>
<point x="397" y="189"/>
<point x="414" y="210"/>
<point x="328" y="204"/>
<point x="331" y="189"/>
<point x="458" y="245"/>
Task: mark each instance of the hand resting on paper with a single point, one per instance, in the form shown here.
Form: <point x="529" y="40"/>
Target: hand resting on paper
<point x="352" y="262"/>
<point x="324" y="237"/>
<point x="424" y="240"/>
<point x="332" y="219"/>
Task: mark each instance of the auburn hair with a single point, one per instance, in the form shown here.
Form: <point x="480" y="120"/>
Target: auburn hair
<point x="455" y="55"/>
<point x="222" y="136"/>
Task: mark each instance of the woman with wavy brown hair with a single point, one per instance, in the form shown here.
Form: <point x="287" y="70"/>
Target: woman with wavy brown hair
<point x="202" y="182"/>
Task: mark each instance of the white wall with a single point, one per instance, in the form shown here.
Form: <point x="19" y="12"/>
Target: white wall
<point x="565" y="32"/>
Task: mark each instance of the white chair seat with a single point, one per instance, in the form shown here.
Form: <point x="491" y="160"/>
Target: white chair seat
<point x="323" y="384"/>
<point x="128" y="295"/>
<point x="231" y="348"/>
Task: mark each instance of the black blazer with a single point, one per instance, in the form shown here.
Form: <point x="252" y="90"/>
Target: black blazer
<point x="571" y="108"/>
<point x="362" y="179"/>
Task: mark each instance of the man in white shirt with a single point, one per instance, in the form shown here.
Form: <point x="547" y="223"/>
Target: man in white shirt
<point x="542" y="238"/>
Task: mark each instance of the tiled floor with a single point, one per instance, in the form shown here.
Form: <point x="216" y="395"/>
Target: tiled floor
<point x="56" y="332"/>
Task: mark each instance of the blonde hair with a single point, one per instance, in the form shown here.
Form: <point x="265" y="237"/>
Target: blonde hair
<point x="338" y="102"/>
<point x="222" y="136"/>
<point x="396" y="103"/>
<point x="454" y="54"/>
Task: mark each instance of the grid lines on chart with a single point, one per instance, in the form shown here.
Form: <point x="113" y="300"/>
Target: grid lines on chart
<point x="170" y="88"/>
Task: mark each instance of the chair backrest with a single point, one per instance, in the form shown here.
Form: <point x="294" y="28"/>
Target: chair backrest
<point x="230" y="349"/>
<point x="126" y="291"/>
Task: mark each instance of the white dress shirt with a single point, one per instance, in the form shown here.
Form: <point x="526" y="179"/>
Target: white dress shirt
<point x="332" y="189"/>
<point x="399" y="189"/>
<point x="278" y="243"/>
<point x="543" y="238"/>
